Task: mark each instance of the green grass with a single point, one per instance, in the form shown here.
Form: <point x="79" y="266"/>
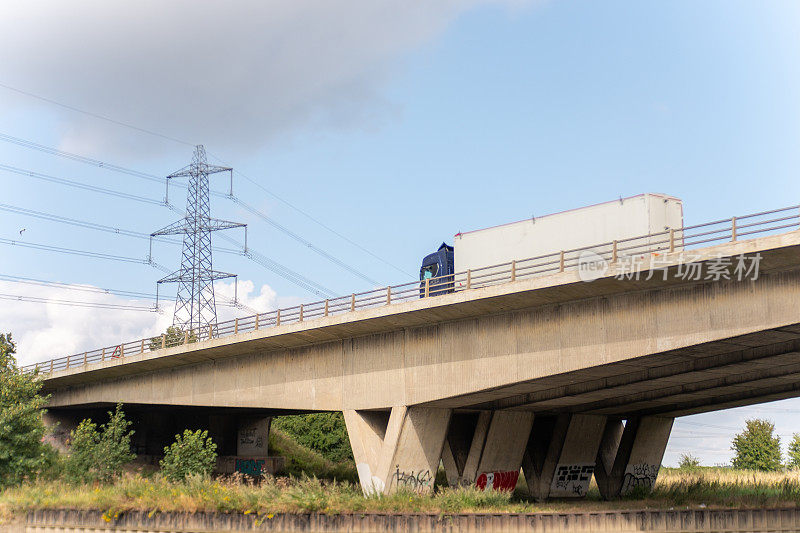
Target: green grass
<point x="302" y="461"/>
<point x="712" y="488"/>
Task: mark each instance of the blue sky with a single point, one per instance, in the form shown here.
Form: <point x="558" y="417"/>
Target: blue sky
<point x="395" y="125"/>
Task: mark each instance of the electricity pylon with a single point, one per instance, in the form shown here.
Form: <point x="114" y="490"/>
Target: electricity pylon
<point x="195" y="307"/>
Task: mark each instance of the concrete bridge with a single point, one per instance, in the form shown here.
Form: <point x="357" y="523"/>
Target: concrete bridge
<point x="540" y="370"/>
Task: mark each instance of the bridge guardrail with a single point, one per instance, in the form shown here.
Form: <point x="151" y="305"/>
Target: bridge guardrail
<point x="670" y="240"/>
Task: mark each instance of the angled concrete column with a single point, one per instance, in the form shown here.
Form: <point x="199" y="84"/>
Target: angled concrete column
<point x="397" y="449"/>
<point x="485" y="449"/>
<point x="560" y="455"/>
<point x="630" y="457"/>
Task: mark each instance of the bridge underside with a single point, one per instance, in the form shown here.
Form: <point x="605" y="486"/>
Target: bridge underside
<point x="743" y="370"/>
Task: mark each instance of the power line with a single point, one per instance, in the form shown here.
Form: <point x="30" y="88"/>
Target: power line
<point x="79" y="185"/>
<point x="300" y="239"/>
<point x="81" y="159"/>
<point x="34" y="299"/>
<point x="99" y="227"/>
<point x="88" y="288"/>
<point x="76" y="287"/>
<point x="71" y="251"/>
<point x="282" y="270"/>
<point x="95" y="115"/>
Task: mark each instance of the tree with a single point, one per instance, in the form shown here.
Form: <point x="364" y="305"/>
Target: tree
<point x="22" y="452"/>
<point x="793" y="459"/>
<point x="194" y="453"/>
<point x="172" y="337"/>
<point x="688" y="461"/>
<point x="325" y="433"/>
<point x="756" y="447"/>
<point x="100" y="455"/>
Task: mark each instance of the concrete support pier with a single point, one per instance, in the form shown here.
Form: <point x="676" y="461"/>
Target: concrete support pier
<point x="485" y="449"/>
<point x="401" y="448"/>
<point x="560" y="456"/>
<point x="630" y="455"/>
<point x="59" y="424"/>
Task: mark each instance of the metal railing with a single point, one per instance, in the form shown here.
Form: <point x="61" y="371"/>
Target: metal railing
<point x="732" y="229"/>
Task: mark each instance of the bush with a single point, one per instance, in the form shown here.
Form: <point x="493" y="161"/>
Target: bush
<point x="688" y="461"/>
<point x="793" y="457"/>
<point x="192" y="454"/>
<point x="325" y="433"/>
<point x="22" y="453"/>
<point x="756" y="447"/>
<point x="174" y="337"/>
<point x="99" y="455"/>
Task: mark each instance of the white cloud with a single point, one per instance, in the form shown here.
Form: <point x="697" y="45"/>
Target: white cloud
<point x="228" y="74"/>
<point x="43" y="331"/>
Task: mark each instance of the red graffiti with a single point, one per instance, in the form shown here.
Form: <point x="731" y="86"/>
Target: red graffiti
<point x="497" y="480"/>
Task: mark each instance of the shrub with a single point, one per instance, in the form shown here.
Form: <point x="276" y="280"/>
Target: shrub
<point x="756" y="447"/>
<point x="192" y="454"/>
<point x="22" y="453"/>
<point x="688" y="461"/>
<point x="793" y="457"/>
<point x="325" y="433"/>
<point x="99" y="455"/>
<point x="174" y="337"/>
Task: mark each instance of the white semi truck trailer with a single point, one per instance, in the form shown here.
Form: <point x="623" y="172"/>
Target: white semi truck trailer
<point x="624" y="218"/>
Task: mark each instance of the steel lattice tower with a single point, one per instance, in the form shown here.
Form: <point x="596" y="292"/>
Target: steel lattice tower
<point x="195" y="306"/>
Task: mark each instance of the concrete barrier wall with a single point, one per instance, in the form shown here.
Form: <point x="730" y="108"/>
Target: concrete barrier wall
<point x="761" y="520"/>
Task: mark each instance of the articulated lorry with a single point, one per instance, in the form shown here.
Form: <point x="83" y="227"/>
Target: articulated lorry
<point x="617" y="220"/>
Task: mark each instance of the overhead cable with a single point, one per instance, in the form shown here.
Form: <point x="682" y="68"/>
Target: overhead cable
<point x="95" y="115"/>
<point x="34" y="299"/>
<point x="79" y="185"/>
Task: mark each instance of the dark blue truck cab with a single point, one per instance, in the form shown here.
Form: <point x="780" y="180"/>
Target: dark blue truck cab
<point x="439" y="267"/>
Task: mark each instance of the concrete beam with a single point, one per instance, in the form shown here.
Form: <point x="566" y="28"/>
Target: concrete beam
<point x="560" y="456"/>
<point x="630" y="455"/>
<point x="402" y="450"/>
